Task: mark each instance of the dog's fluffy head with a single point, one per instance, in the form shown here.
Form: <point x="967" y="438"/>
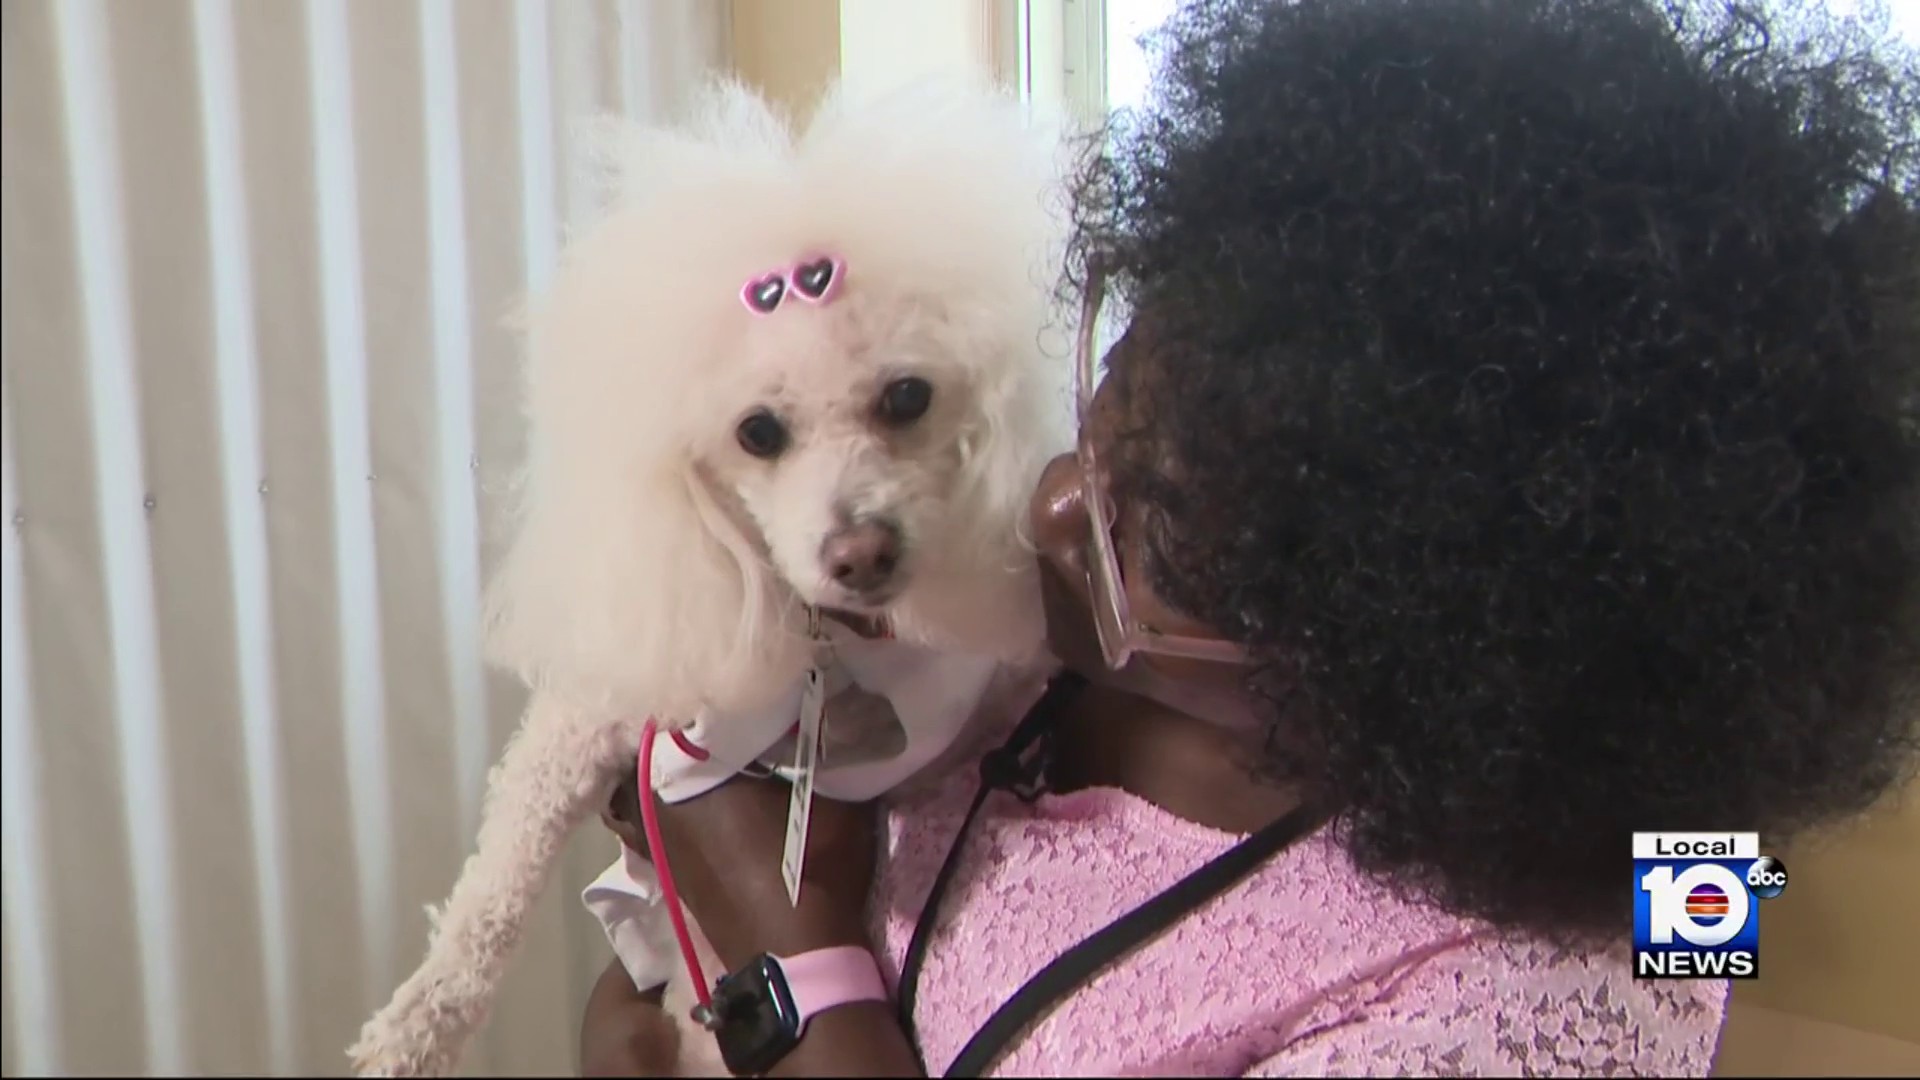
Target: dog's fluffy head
<point x="691" y="459"/>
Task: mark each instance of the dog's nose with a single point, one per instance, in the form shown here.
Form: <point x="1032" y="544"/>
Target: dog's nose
<point x="862" y="557"/>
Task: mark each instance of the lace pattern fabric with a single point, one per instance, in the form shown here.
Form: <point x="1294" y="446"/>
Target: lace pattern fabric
<point x="1307" y="968"/>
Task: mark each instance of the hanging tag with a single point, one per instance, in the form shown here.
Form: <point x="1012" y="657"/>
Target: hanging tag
<point x="806" y="754"/>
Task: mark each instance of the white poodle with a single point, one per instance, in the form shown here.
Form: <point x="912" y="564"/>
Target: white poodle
<point x="784" y="372"/>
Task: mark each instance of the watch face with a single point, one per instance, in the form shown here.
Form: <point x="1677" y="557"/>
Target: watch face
<point x="758" y="1021"/>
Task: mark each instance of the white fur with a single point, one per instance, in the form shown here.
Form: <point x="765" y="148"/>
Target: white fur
<point x="656" y="569"/>
<point x="640" y="575"/>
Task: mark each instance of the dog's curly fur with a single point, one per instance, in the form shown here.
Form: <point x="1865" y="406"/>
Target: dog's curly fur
<point x="657" y="569"/>
<point x="1541" y="380"/>
<point x="654" y="563"/>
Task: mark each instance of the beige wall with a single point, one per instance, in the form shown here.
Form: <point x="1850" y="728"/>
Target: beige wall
<point x="1840" y="956"/>
<point x="789" y="49"/>
<point x="792" y="49"/>
<point x="1845" y="936"/>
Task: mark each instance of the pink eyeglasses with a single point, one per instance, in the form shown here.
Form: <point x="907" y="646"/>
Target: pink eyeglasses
<point x="1121" y="635"/>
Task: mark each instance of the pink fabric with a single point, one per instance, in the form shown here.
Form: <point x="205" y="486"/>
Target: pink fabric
<point x="1306" y="968"/>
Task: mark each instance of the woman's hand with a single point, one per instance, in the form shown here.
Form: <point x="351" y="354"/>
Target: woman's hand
<point x="724" y="849"/>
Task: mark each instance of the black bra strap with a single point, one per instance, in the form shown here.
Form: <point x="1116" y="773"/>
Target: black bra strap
<point x="1008" y="769"/>
<point x="1082" y="962"/>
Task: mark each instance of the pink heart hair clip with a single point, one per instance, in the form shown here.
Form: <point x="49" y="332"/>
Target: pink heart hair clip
<point x="815" y="281"/>
<point x="764" y="293"/>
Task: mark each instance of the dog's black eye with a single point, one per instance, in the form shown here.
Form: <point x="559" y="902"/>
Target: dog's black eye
<point x="905" y="400"/>
<point x="762" y="435"/>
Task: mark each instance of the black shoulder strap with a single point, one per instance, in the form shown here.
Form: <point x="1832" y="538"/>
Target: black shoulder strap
<point x="1125" y="934"/>
<point x="1079" y="964"/>
<point x="1007" y="768"/>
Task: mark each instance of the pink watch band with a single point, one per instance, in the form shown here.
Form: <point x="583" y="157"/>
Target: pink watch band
<point x="828" y="978"/>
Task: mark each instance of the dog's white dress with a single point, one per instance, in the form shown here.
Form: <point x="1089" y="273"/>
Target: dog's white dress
<point x="933" y="695"/>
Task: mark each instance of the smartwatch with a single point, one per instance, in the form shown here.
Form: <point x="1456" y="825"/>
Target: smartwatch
<point x="760" y="1012"/>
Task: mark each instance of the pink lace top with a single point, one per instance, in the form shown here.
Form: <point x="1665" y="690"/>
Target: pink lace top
<point x="1306" y="968"/>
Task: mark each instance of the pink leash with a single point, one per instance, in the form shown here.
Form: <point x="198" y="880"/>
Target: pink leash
<point x="650" y="821"/>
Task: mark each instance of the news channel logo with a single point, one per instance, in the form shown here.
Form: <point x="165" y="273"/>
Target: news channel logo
<point x="1696" y="904"/>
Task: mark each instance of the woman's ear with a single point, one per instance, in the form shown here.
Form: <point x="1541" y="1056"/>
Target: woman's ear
<point x="643" y="596"/>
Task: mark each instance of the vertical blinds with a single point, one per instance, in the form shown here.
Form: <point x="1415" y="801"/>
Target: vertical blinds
<point x="259" y="399"/>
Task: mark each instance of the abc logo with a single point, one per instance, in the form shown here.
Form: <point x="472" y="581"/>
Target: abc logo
<point x="1767" y="877"/>
<point x="1705" y="904"/>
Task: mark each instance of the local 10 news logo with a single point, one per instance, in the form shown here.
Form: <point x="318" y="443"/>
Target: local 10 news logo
<point x="1696" y="899"/>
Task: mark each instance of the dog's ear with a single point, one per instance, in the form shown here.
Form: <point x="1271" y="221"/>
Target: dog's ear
<point x="644" y="599"/>
<point x="627" y="583"/>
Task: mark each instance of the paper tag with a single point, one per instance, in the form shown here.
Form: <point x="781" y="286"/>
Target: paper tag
<point x="806" y="754"/>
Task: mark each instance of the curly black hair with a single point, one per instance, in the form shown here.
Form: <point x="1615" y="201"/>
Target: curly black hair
<point x="1540" y="381"/>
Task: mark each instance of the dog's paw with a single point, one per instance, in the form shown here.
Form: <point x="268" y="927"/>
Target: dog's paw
<point x="378" y="1053"/>
<point x="372" y="1058"/>
<point x="410" y="1037"/>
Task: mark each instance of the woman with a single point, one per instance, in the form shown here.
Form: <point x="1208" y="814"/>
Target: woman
<point x="1512" y="446"/>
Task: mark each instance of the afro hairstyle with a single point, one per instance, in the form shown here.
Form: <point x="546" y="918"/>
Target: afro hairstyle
<point x="1540" y="381"/>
